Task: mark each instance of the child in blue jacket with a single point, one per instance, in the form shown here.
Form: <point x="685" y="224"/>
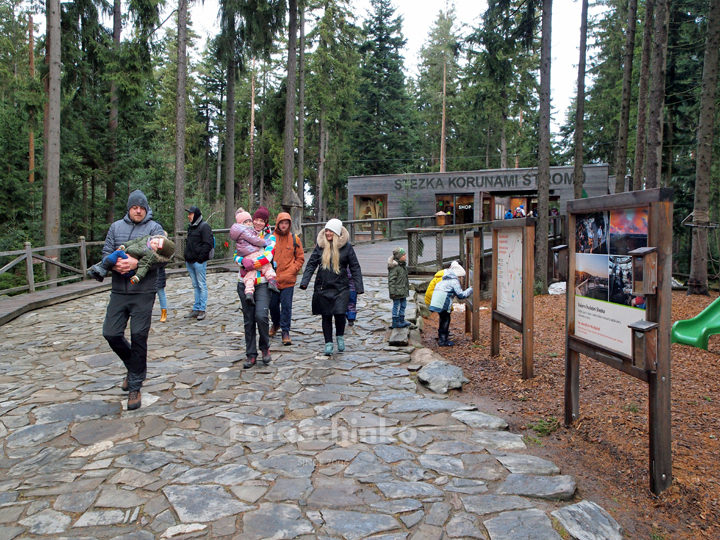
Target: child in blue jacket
<point x="441" y="303"/>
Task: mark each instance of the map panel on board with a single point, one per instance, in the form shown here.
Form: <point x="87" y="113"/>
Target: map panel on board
<point x="509" y="272"/>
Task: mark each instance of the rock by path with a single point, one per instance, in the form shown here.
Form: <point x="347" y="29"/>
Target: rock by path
<point x="346" y="447"/>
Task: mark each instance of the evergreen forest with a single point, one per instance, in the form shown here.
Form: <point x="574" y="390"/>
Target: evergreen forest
<point x="293" y="96"/>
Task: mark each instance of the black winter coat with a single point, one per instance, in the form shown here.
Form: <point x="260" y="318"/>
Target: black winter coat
<point x="199" y="242"/>
<point x="331" y="294"/>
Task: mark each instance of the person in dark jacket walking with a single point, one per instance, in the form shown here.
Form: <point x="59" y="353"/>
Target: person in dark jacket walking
<point x="128" y="301"/>
<point x="331" y="257"/>
<point x="399" y="286"/>
<point x="197" y="253"/>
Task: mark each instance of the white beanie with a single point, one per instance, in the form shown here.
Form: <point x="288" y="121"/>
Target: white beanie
<point x="458" y="270"/>
<point x="335" y="225"/>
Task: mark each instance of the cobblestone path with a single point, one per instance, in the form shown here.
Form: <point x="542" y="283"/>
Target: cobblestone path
<point x="309" y="447"/>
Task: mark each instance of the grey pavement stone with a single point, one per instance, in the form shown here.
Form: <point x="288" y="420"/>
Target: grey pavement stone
<point x="224" y="527"/>
<point x="541" y="487"/>
<point x="136" y="535"/>
<point x="530" y="524"/>
<point x="410" y="520"/>
<point x="463" y="525"/>
<point x="443" y="464"/>
<point x="400" y="490"/>
<point x="588" y="521"/>
<point x="8" y="533"/>
<point x="399" y="337"/>
<point x="75" y="412"/>
<point x="99" y="518"/>
<point x="229" y="475"/>
<point x="364" y="465"/>
<point x="75" y="502"/>
<point x="480" y="420"/>
<point x="289" y="489"/>
<point x="249" y="494"/>
<point x="145" y="461"/>
<point x="289" y="465"/>
<point x="397" y="506"/>
<point x="452" y="448"/>
<point x="427" y="405"/>
<point x="410" y="472"/>
<point x="491" y="504"/>
<point x="467" y="486"/>
<point x="427" y="532"/>
<point x="202" y="504"/>
<point x="441" y="377"/>
<point x="119" y="498"/>
<point x="336" y="454"/>
<point x="523" y="464"/>
<point x="500" y="440"/>
<point x="156" y="505"/>
<point x="10" y="514"/>
<point x="438" y="514"/>
<point x="163" y="521"/>
<point x="341" y="495"/>
<point x="357" y="525"/>
<point x="277" y="521"/>
<point x="392" y="453"/>
<point x="36" y="434"/>
<point x="46" y="522"/>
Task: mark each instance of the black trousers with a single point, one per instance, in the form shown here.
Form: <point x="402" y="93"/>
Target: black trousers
<point x="444" y="325"/>
<point x="257" y="316"/>
<point x="138" y="309"/>
<point x="327" y="321"/>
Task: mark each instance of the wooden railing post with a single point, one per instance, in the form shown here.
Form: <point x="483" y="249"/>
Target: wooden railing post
<point x="372" y="231"/>
<point x="439" y="248"/>
<point x="463" y="258"/>
<point x="352" y="233"/>
<point x="412" y="248"/>
<point x="83" y="257"/>
<point x="29" y="267"/>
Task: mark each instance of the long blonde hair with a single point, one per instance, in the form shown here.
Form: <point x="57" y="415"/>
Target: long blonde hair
<point x="331" y="255"/>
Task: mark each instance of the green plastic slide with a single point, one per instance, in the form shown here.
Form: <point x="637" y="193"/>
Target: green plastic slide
<point x="696" y="331"/>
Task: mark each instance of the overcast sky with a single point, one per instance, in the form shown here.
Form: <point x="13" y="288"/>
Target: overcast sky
<point x="419" y="16"/>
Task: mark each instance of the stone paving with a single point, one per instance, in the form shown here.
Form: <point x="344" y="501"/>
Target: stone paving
<point x="346" y="447"/>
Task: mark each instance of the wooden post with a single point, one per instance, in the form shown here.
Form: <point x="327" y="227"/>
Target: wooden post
<point x="494" y="324"/>
<point x="29" y="267"/>
<point x="352" y="233"/>
<point x="572" y="358"/>
<point x="439" y="248"/>
<point x="463" y="258"/>
<point x="83" y="257"/>
<point x="478" y="257"/>
<point x="372" y="231"/>
<point x="412" y="248"/>
<point x="469" y="306"/>
<point x="528" y="283"/>
<point x="658" y="305"/>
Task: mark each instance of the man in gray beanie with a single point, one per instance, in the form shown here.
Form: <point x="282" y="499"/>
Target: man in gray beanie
<point x="129" y="301"/>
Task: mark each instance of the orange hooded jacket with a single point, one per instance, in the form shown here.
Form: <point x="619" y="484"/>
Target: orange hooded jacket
<point x="289" y="255"/>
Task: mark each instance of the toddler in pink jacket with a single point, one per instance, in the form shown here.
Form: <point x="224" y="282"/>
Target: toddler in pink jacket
<point x="249" y="245"/>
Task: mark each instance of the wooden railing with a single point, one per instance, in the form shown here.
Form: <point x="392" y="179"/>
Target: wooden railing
<point x="368" y="231"/>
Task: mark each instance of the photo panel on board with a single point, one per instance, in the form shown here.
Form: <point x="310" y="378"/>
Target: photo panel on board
<point x="628" y="230"/>
<point x="591" y="233"/>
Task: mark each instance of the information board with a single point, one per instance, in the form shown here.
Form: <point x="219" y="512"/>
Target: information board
<point x="604" y="302"/>
<point x="509" y="272"/>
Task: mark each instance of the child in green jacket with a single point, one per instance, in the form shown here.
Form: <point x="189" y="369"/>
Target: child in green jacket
<point x="148" y="250"/>
<point x="399" y="286"/>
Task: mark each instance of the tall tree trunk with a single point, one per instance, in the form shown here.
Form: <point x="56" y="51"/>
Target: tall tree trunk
<point x="698" y="281"/>
<point x="325" y="173"/>
<point x="218" y="168"/>
<point x="251" y="178"/>
<point x="657" y="93"/>
<point x="503" y="144"/>
<point x="641" y="137"/>
<point x="290" y="200"/>
<point x="487" y="150"/>
<point x="543" y="178"/>
<point x="52" y="142"/>
<point x="112" y="158"/>
<point x="319" y="190"/>
<point x="578" y="178"/>
<point x="621" y="154"/>
<point x="517" y="157"/>
<point x="262" y="138"/>
<point x="31" y="123"/>
<point x="230" y="146"/>
<point x="443" y="148"/>
<point x="301" y="113"/>
<point x="206" y="179"/>
<point x="180" y="218"/>
<point x="667" y="145"/>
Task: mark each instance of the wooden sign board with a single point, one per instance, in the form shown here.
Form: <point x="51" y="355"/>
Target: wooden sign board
<point x="513" y="279"/>
<point x="612" y="319"/>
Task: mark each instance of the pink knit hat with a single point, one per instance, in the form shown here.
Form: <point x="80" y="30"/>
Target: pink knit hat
<point x="242" y="217"/>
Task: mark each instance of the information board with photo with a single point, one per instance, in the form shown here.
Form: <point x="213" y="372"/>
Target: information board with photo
<point x="509" y="272"/>
<point x="604" y="302"/>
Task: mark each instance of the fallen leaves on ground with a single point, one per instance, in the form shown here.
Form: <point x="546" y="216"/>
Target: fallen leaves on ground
<point x="606" y="449"/>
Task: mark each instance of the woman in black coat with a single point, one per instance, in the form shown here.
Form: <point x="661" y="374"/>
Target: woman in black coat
<point x="332" y="256"/>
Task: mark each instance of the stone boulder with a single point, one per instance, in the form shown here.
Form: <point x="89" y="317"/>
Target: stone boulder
<point x="399" y="337"/>
<point x="425" y="356"/>
<point x="440" y="377"/>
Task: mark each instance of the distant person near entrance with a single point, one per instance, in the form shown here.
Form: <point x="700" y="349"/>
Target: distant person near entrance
<point x="128" y="301"/>
<point x="331" y="257"/>
<point x="198" y="246"/>
<point x="289" y="260"/>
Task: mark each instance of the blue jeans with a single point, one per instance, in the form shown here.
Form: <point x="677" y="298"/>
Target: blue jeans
<point x="399" y="305"/>
<point x="351" y="313"/>
<point x="197" y="276"/>
<point x="281" y="308"/>
<point x="162" y="298"/>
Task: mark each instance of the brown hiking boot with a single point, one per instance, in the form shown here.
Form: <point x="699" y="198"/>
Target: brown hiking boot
<point x="274" y="330"/>
<point x="134" y="400"/>
<point x="286" y="338"/>
<point x="163" y="315"/>
<point x="124" y="385"/>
